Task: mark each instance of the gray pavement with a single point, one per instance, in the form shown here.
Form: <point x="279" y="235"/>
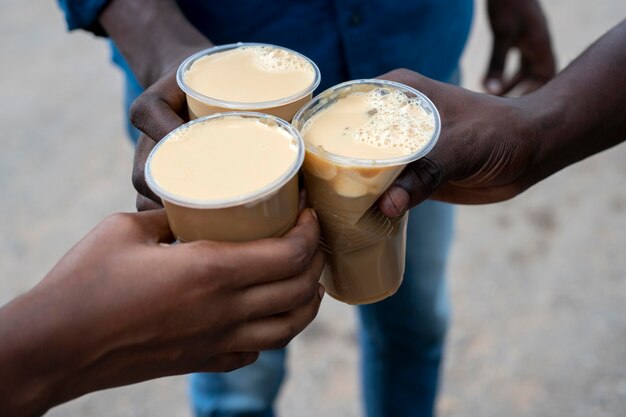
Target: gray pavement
<point x="538" y="283"/>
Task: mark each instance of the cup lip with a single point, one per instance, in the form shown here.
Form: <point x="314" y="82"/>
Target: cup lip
<point x="297" y="122"/>
<point x="254" y="196"/>
<point x="259" y="105"/>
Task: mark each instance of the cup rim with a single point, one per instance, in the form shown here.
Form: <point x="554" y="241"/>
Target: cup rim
<point x="186" y="64"/>
<point x="298" y="121"/>
<point x="251" y="197"/>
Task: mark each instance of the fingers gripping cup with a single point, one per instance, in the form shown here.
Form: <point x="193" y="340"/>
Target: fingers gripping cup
<point x="247" y="76"/>
<point x="359" y="136"/>
<point x="228" y="177"/>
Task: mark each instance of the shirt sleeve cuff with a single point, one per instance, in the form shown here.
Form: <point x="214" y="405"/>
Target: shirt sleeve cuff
<point x="83" y="14"/>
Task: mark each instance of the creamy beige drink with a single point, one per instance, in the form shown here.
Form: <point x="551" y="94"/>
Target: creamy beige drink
<point x="228" y="177"/>
<point x="247" y="76"/>
<point x="359" y="136"/>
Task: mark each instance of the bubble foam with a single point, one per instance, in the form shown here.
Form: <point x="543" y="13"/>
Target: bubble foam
<point x="272" y="59"/>
<point x="397" y="122"/>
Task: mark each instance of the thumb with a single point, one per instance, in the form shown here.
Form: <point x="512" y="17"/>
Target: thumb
<point x="422" y="177"/>
<point x="415" y="184"/>
<point x="160" y="109"/>
<point x="428" y="86"/>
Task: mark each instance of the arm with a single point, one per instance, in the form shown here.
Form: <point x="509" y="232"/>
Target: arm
<point x="493" y="148"/>
<point x="153" y="35"/>
<point x="120" y="308"/>
<point x="585" y="107"/>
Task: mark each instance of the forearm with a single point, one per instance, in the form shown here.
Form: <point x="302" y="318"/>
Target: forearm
<point x="42" y="353"/>
<point x="25" y="385"/>
<point x="151" y="34"/>
<point x="583" y="109"/>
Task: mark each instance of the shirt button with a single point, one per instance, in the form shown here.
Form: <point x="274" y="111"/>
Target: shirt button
<point x="355" y="19"/>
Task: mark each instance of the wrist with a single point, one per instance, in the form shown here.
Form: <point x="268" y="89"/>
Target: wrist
<point x="175" y="54"/>
<point x="546" y="119"/>
<point x="153" y="35"/>
<point x="575" y="112"/>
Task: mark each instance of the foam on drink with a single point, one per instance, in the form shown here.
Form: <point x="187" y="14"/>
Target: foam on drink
<point x="377" y="124"/>
<point x="250" y="74"/>
<point x="380" y="123"/>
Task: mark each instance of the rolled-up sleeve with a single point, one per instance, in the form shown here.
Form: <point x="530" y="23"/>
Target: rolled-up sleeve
<point x="83" y="14"/>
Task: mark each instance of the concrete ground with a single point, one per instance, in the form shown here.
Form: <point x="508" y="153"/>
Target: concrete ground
<point x="538" y="283"/>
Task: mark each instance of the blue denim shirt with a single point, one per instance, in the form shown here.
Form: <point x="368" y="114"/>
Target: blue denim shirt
<point x="348" y="39"/>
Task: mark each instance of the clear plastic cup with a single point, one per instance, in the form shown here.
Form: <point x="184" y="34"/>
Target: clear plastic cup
<point x="201" y="105"/>
<point x="270" y="211"/>
<point x="365" y="249"/>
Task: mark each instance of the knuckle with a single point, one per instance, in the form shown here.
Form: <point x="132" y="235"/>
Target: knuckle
<point x="144" y="203"/>
<point x="139" y="110"/>
<point x="299" y="255"/>
<point x="399" y="72"/>
<point x="138" y="179"/>
<point x="120" y="221"/>
<point x="225" y="344"/>
<point x="304" y="293"/>
<point x="280" y="337"/>
<point x="312" y="286"/>
<point x="314" y="309"/>
<point x="206" y="265"/>
<point x="311" y="311"/>
<point x="245" y="314"/>
<point x="285" y="334"/>
<point x="428" y="173"/>
<point x="319" y="261"/>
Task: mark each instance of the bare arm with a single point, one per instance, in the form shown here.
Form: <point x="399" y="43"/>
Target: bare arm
<point x="120" y="308"/>
<point x="493" y="148"/>
<point x="153" y="35"/>
<point x="585" y="106"/>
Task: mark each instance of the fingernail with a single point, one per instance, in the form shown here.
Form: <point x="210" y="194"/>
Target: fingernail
<point x="399" y="199"/>
<point x="493" y="86"/>
<point x="314" y="214"/>
<point x="321" y="291"/>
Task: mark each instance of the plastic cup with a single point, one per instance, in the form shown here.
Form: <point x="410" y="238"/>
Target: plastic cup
<point x="201" y="105"/>
<point x="365" y="249"/>
<point x="270" y="211"/>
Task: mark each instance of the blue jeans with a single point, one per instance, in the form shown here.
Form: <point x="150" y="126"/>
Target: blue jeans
<point x="401" y="340"/>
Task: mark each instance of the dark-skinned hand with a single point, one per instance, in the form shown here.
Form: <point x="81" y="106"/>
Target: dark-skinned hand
<point x="521" y="25"/>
